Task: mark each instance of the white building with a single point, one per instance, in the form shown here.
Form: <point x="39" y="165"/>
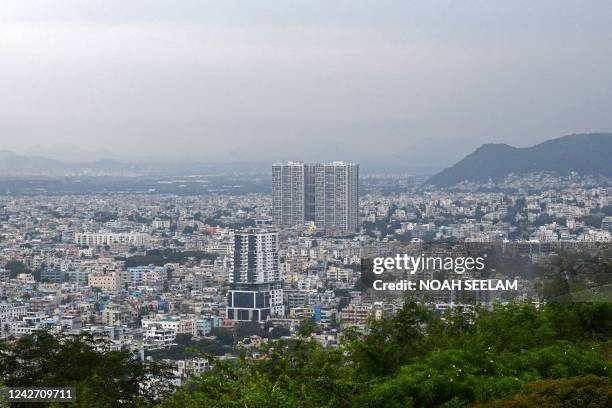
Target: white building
<point x="108" y="238"/>
<point x="179" y="325"/>
<point x="156" y="336"/>
<point x="12" y="311"/>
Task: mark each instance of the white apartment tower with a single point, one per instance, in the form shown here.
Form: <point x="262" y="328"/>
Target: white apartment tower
<point x="336" y="191"/>
<point x="289" y="195"/>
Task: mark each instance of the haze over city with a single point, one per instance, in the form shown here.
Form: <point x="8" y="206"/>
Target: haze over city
<point x="299" y="204"/>
<point x="245" y="81"/>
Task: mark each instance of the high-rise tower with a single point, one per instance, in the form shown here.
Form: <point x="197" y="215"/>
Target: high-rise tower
<point x="327" y="194"/>
<point x="289" y="193"/>
<point x="255" y="280"/>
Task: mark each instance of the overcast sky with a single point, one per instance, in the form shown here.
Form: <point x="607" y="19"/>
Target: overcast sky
<point x="269" y="80"/>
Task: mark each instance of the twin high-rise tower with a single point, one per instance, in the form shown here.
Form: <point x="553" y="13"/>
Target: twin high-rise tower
<point x="326" y="194"/>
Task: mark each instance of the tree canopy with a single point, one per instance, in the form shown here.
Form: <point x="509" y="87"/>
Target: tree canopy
<point x="416" y="359"/>
<point x="101" y="377"/>
<point x="514" y="355"/>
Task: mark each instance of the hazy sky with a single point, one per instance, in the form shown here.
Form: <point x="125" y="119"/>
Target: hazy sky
<point x="269" y="80"/>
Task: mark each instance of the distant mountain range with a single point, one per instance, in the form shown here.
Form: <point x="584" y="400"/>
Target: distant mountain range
<point x="12" y="164"/>
<point x="10" y="161"/>
<point x="582" y="153"/>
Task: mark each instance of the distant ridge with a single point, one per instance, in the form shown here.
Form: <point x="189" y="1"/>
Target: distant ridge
<point x="12" y="161"/>
<point x="13" y="164"/>
<point x="583" y="153"/>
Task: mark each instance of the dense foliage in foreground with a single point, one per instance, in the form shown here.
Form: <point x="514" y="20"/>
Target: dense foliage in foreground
<point x="513" y="356"/>
<point x="101" y="377"/>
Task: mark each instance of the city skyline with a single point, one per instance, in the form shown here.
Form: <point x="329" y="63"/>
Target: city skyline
<point x="355" y="203"/>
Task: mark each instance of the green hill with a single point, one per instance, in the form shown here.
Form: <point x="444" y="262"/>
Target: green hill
<point x="584" y="153"/>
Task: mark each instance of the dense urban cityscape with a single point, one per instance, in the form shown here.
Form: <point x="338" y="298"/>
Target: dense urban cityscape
<point x="156" y="274"/>
<point x="305" y="204"/>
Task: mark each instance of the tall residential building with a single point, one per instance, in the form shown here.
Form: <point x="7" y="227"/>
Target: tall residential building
<point x="255" y="279"/>
<point x="327" y="194"/>
<point x="336" y="190"/>
<point x="289" y="194"/>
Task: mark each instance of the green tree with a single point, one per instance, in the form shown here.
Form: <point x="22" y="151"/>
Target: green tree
<point x="224" y="336"/>
<point x="247" y="329"/>
<point x="102" y="378"/>
<point x="307" y="327"/>
<point x="15" y="268"/>
<point x="587" y="391"/>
